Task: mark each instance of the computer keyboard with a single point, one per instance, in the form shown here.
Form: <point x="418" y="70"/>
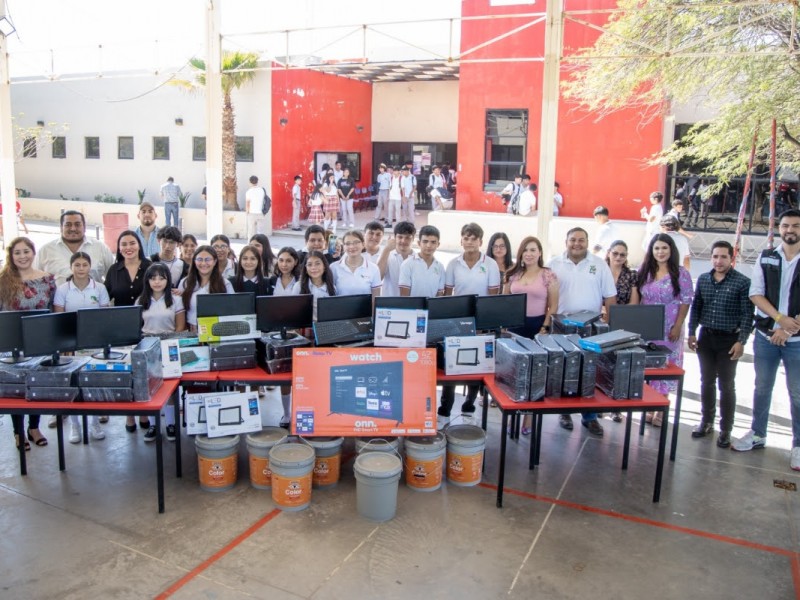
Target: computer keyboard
<point x="337" y="332"/>
<point x="224" y="328"/>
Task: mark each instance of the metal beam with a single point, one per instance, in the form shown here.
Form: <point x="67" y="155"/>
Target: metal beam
<point x="7" y="181"/>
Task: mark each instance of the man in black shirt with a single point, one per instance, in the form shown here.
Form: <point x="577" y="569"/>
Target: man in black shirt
<point x="722" y="308"/>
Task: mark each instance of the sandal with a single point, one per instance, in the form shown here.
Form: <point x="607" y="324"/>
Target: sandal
<point x="493" y="403"/>
<point x="526" y="431"/>
<point x="657" y="420"/>
<point x="144" y="424"/>
<point x="37" y="439"/>
<point x="648" y="417"/>
<point x="27" y="445"/>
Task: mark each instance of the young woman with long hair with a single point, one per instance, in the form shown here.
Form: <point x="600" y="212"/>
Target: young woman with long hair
<point x="353" y="273"/>
<point x="227" y="263"/>
<point x="261" y="243"/>
<point x="500" y="250"/>
<point x="204" y="278"/>
<point x="249" y="273"/>
<point x="287" y="267"/>
<point x="125" y="278"/>
<point x="316" y="278"/>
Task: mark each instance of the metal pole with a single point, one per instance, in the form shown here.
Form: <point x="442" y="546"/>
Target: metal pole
<point x="549" y="130"/>
<point x="213" y="119"/>
<point x="8" y="182"/>
<point x="737" y="239"/>
<point x="772" y="188"/>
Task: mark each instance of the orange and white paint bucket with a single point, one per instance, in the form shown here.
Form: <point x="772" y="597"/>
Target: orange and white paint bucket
<point x="465" y="446"/>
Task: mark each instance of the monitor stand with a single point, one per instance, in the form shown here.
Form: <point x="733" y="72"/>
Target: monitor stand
<point x="16" y="357"/>
<point x="56" y="360"/>
<point x="283" y="335"/>
<point x="107" y="354"/>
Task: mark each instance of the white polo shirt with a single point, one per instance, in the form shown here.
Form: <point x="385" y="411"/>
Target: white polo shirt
<point x="363" y="280"/>
<point x="583" y="286"/>
<point x="160" y="318"/>
<point x="391" y="280"/>
<point x="191" y="311"/>
<point x="421" y="279"/>
<point x="70" y="298"/>
<point x="483" y="275"/>
<point x="54" y="258"/>
<point x="373" y="258"/>
<point x="758" y="286"/>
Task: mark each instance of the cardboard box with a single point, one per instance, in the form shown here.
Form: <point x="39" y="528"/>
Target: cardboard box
<point x="232" y="414"/>
<point x="230" y="327"/>
<point x="170" y="359"/>
<point x="195" y="411"/>
<point x="469" y="355"/>
<point x="195" y="359"/>
<point x="400" y="328"/>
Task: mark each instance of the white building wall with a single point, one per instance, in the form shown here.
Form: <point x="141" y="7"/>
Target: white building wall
<point x="138" y="107"/>
<point x="415" y="111"/>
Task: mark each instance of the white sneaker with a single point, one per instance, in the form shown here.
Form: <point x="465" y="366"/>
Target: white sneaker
<point x="795" y="461"/>
<point x="749" y="441"/>
<point x="468" y="418"/>
<point x="51" y="423"/>
<point x="442" y="422"/>
<point x="97" y="432"/>
<point x="75" y="434"/>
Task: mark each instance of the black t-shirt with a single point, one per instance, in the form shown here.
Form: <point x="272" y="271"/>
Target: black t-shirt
<point x="345" y="185"/>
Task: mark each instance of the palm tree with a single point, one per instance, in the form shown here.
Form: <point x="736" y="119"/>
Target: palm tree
<point x="237" y="69"/>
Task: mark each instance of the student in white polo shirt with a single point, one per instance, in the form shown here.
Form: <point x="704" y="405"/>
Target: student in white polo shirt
<point x="353" y="273"/>
<point x="373" y="235"/>
<point x="421" y="274"/>
<point x="81" y="291"/>
<point x="471" y="273"/>
<point x="396" y="251"/>
<point x="585" y="282"/>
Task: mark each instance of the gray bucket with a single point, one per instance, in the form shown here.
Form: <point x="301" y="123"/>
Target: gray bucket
<point x="465" y="446"/>
<point x="291" y="466"/>
<point x="217" y="462"/>
<point x="259" y="444"/>
<point x="327" y="465"/>
<point x="392" y="445"/>
<point x="377" y="474"/>
<point x="424" y="462"/>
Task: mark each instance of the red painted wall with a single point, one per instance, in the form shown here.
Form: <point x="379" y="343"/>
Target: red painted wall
<point x="322" y="113"/>
<point x="597" y="162"/>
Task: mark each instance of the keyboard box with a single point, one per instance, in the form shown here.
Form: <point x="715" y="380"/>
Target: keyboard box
<point x="53" y="394"/>
<point x="469" y="355"/>
<point x="195" y="359"/>
<point x="116" y="379"/>
<point x="233" y="362"/>
<point x="148" y="374"/>
<point x="61" y="376"/>
<point x="232" y="349"/>
<point x="400" y="328"/>
<point x="229" y="327"/>
<point x="110" y="394"/>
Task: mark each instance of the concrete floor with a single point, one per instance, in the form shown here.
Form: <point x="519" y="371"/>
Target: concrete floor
<point x="578" y="526"/>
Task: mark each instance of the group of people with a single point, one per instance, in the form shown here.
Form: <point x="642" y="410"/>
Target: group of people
<point x="165" y="271"/>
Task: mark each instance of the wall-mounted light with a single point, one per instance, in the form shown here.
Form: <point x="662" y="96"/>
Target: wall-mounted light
<point x="359" y="128"/>
<point x="179" y="121"/>
<point x="283" y="121"/>
<point x="40" y="123"/>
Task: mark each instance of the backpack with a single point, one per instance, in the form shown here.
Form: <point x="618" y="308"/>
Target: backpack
<point x="266" y="204"/>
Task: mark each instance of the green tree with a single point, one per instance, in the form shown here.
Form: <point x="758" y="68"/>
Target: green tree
<point x="237" y="69"/>
<point x="738" y="56"/>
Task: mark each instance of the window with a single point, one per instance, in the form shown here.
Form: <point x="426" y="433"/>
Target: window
<point x="29" y="147"/>
<point x="160" y="147"/>
<point x="198" y="148"/>
<point x="244" y="148"/>
<point x="92" y="147"/>
<point x="125" y="147"/>
<point x="59" y="147"/>
<point x="506" y="144"/>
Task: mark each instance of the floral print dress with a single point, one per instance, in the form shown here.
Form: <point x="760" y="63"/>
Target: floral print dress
<point x="660" y="292"/>
<point x="36" y="294"/>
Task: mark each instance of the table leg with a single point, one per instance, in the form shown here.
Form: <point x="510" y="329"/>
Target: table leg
<point x="627" y="445"/>
<point x="662" y="445"/>
<point x="23" y="459"/>
<point x="159" y="463"/>
<point x="62" y="462"/>
<point x="502" y="470"/>
<point x="85" y="425"/>
<point x="677" y="420"/>
<point x="537" y="426"/>
<point x="641" y="423"/>
<point x="178" y="456"/>
<point x="485" y="408"/>
<point x="532" y="457"/>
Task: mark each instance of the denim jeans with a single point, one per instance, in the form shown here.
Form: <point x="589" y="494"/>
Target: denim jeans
<point x="767" y="359"/>
<point x="171" y="213"/>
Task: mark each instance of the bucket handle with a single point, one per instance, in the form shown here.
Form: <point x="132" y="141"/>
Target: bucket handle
<point x="394" y="451"/>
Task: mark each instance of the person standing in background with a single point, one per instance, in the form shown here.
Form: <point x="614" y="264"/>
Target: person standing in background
<point x="384" y="182"/>
<point x="147" y="230"/>
<point x="253" y="205"/>
<point x="346" y="187"/>
<point x="297" y="201"/>
<point x="606" y="232"/>
<point x="652" y="217"/>
<point x="558" y="200"/>
<point x="170" y="193"/>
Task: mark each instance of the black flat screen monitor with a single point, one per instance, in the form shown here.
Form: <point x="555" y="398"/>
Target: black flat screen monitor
<point x="281" y="313"/>
<point x="343" y="308"/>
<point x="11" y="332"/>
<point x="645" y="319"/>
<point x="50" y="334"/>
<point x="497" y="312"/>
<point x="107" y="327"/>
<point x="226" y="305"/>
<point x="451" y="307"/>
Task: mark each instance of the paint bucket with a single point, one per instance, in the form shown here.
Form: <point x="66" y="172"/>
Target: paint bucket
<point x="291" y="466"/>
<point x="259" y="444"/>
<point x="217" y="462"/>
<point x="465" y="445"/>
<point x="392" y="445"/>
<point x="377" y="474"/>
<point x="328" y="451"/>
<point x="424" y="462"/>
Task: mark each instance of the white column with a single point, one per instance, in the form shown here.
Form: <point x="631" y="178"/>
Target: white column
<point x="213" y="119"/>
<point x="7" y="180"/>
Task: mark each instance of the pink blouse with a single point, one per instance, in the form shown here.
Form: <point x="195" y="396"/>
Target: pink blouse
<point x="536" y="291"/>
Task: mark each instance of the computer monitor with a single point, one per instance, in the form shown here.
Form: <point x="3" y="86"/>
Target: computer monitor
<point x="497" y="312"/>
<point x="645" y="319"/>
<point x="451" y="307"/>
<point x="281" y="313"/>
<point x="11" y="332"/>
<point x="107" y="327"/>
<point x="226" y="305"/>
<point x="50" y="334"/>
<point x="342" y="308"/>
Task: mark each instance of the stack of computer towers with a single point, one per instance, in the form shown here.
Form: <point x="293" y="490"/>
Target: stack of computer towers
<point x="555" y="365"/>
<point x="512" y="369"/>
<point x="146" y="368"/>
<point x="236" y="354"/>
<point x="274" y="352"/>
<point x="539" y="362"/>
<point x="588" y="377"/>
<point x="570" y="384"/>
<point x="106" y="382"/>
<point x="55" y="383"/>
<point x="614" y="371"/>
<point x="579" y="322"/>
<point x="13" y="377"/>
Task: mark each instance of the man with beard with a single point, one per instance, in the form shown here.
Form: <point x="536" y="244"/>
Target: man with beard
<point x="775" y="291"/>
<point x="147" y="232"/>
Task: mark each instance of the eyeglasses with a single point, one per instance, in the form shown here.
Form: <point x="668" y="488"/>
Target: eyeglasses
<point x="499" y="247"/>
<point x="206" y="260"/>
<point x="619" y="254"/>
<point x="220" y="247"/>
<point x="348" y="244"/>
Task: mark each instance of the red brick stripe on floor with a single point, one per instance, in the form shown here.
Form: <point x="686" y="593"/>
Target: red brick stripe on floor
<point x="796" y="575"/>
<point x="218" y="555"/>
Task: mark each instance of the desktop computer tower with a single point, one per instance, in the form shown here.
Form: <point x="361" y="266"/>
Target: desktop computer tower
<point x="588" y="378"/>
<point x="636" y="380"/>
<point x="274" y="353"/>
<point x="539" y="362"/>
<point x="555" y="365"/>
<point x="613" y="372"/>
<point x="512" y="369"/>
<point x="232" y="349"/>
<point x="570" y="382"/>
<point x="146" y="368"/>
